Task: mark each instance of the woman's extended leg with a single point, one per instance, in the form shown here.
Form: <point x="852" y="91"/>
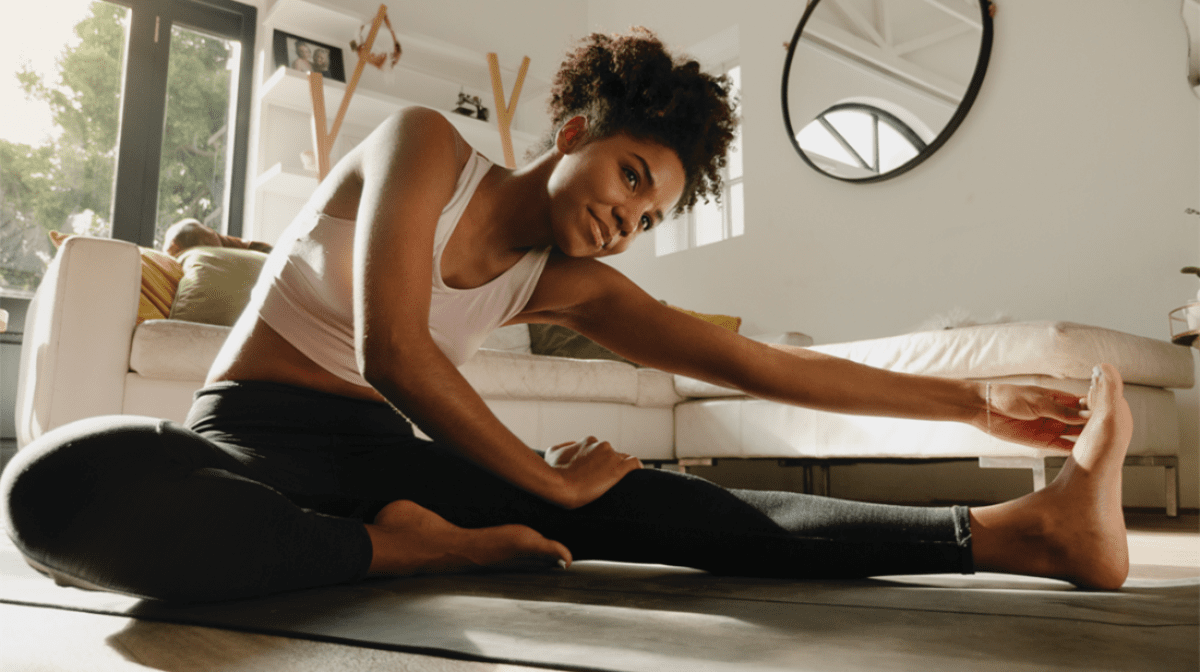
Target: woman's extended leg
<point x="1072" y="530"/>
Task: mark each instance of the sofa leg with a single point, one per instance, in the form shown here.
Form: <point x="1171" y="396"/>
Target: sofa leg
<point x="1171" y="478"/>
<point x="814" y="475"/>
<point x="1036" y="464"/>
<point x="816" y="479"/>
<point x="1169" y="463"/>
<point x="681" y="465"/>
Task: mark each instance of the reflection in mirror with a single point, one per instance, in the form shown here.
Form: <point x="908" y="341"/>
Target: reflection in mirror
<point x="872" y="87"/>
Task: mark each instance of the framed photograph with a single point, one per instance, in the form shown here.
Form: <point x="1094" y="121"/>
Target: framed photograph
<point x="305" y="55"/>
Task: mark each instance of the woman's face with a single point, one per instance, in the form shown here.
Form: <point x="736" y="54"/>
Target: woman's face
<point x="605" y="192"/>
<point x="304" y="51"/>
<point x="321" y="59"/>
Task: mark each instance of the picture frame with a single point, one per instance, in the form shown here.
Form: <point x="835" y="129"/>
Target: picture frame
<point x="306" y="55"/>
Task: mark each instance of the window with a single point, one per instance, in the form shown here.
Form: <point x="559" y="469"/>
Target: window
<point x="860" y="139"/>
<point x="715" y="220"/>
<point x="129" y="115"/>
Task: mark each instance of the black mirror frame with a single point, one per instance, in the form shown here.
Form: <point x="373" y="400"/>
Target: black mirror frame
<point x="981" y="64"/>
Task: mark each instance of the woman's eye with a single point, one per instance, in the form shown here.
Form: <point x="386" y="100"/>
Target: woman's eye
<point x="647" y="222"/>
<point x="631" y="177"/>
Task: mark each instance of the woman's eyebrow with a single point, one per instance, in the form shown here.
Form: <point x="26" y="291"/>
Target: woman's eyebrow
<point x="650" y="182"/>
<point x="645" y="169"/>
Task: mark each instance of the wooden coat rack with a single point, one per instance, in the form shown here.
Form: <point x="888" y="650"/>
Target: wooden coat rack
<point x="323" y="139"/>
<point x="506" y="111"/>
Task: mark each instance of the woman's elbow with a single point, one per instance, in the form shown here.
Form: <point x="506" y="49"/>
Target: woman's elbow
<point x="392" y="370"/>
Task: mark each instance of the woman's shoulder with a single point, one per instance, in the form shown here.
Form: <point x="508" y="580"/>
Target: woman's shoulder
<point x="415" y="148"/>
<point x="568" y="283"/>
<point x="419" y="133"/>
<point x="425" y="126"/>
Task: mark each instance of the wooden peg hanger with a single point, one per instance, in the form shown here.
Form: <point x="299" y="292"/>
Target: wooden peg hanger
<point x="505" y="111"/>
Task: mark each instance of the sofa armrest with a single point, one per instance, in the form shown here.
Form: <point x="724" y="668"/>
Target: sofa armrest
<point x="78" y="331"/>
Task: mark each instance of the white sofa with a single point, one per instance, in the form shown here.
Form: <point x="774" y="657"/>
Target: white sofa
<point x="84" y="355"/>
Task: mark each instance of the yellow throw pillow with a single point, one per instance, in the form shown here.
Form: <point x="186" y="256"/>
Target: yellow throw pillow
<point x="216" y="284"/>
<point x="160" y="279"/>
<point x="728" y="322"/>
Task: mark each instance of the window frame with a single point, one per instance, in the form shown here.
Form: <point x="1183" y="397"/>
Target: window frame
<point x="877" y="115"/>
<point x="143" y="108"/>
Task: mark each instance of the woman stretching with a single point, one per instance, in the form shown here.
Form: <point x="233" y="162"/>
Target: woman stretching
<point x="298" y="466"/>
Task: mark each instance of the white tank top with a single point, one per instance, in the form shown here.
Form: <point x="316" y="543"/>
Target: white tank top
<point x="305" y="291"/>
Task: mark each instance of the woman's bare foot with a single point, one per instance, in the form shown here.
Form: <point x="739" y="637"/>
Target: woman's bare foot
<point x="408" y="539"/>
<point x="1074" y="529"/>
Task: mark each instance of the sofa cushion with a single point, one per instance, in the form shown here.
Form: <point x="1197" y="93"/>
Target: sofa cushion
<point x="656" y="389"/>
<point x="179" y="350"/>
<point x="754" y="428"/>
<point x="514" y="375"/>
<point x="554" y="340"/>
<point x="514" y="338"/>
<point x="729" y="322"/>
<point x="216" y="284"/>
<point x="175" y="349"/>
<point x="1062" y="350"/>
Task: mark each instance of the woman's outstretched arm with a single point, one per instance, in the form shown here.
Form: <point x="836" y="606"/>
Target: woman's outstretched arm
<point x="410" y="167"/>
<point x="600" y="302"/>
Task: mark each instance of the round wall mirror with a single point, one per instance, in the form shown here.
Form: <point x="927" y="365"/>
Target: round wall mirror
<point x="871" y="88"/>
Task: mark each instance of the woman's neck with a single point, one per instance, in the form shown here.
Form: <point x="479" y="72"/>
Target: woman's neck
<point x="518" y="210"/>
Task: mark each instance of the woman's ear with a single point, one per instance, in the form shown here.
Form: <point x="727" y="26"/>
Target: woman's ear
<point x="572" y="134"/>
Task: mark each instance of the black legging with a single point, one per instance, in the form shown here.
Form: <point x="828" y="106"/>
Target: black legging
<point x="269" y="488"/>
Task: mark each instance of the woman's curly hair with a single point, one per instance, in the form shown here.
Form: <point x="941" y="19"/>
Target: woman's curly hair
<point x="631" y="84"/>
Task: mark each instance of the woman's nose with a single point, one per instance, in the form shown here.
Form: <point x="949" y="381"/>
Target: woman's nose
<point x="627" y="218"/>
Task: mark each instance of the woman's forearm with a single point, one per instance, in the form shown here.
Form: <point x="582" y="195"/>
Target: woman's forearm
<point x="443" y="404"/>
<point x="803" y="377"/>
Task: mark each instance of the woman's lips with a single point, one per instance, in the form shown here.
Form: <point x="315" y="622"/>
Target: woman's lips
<point x="598" y="232"/>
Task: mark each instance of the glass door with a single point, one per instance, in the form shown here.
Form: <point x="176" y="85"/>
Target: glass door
<point x="196" y="152"/>
<point x="60" y="106"/>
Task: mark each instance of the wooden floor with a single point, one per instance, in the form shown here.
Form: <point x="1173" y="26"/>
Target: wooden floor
<point x="51" y="640"/>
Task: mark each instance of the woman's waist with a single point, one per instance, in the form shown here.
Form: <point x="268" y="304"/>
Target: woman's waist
<point x="267" y="413"/>
<point x="263" y="354"/>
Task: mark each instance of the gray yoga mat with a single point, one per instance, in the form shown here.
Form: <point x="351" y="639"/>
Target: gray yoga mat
<point x="611" y="616"/>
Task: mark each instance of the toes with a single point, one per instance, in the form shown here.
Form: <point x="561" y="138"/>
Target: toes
<point x="1107" y="386"/>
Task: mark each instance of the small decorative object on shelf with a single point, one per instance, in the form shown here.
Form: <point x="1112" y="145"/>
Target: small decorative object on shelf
<point x="305" y="55"/>
<point x="1185" y="320"/>
<point x="362" y="45"/>
<point x="471" y="106"/>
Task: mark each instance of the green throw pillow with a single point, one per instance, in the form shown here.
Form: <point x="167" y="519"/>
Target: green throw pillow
<point x="556" y="341"/>
<point x="216" y="284"/>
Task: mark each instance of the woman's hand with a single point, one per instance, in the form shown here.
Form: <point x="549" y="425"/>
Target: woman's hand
<point x="589" y="468"/>
<point x="1034" y="416"/>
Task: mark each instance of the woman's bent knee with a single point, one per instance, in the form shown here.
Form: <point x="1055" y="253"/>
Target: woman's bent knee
<point x="67" y="494"/>
<point x="148" y="508"/>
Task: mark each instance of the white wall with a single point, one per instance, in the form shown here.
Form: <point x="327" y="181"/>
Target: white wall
<point x="1062" y="195"/>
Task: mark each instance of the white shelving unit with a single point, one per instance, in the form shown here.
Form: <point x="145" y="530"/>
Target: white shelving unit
<point x="430" y="73"/>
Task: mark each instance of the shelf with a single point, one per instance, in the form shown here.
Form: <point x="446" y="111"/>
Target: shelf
<point x="277" y="180"/>
<point x="324" y="21"/>
<point x="289" y="88"/>
<point x="317" y="19"/>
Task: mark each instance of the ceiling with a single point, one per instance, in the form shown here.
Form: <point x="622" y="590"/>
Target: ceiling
<point x="931" y="44"/>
